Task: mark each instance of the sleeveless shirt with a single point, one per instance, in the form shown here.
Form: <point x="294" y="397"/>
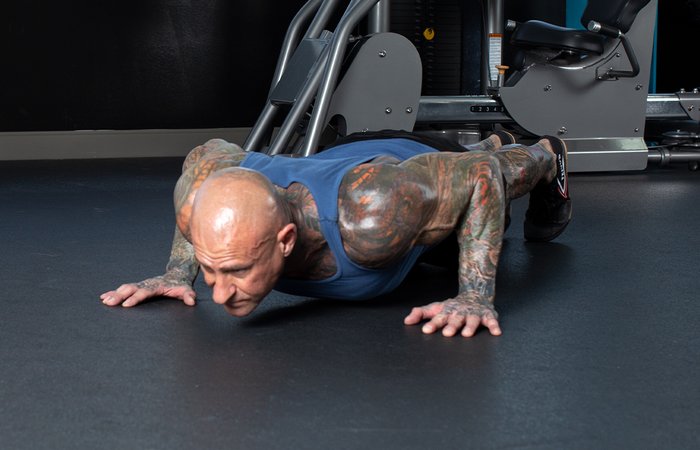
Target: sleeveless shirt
<point x="321" y="174"/>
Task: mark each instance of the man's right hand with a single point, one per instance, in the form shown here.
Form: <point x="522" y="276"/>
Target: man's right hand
<point x="168" y="285"/>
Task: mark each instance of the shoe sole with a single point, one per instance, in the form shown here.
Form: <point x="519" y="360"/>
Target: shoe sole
<point x="562" y="162"/>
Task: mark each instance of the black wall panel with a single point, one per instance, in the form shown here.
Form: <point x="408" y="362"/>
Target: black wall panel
<point x="677" y="39"/>
<point x="144" y="64"/>
<point x="137" y="64"/>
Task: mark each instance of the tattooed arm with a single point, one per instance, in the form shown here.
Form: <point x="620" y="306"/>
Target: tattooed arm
<point x="176" y="282"/>
<point x="182" y="267"/>
<point x="472" y="203"/>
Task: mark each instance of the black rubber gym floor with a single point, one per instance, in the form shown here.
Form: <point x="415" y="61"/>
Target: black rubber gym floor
<point x="600" y="346"/>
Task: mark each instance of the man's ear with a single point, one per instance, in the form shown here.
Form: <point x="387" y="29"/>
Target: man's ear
<point x="286" y="238"/>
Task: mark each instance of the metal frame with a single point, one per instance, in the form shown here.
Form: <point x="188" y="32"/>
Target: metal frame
<point x="493" y="107"/>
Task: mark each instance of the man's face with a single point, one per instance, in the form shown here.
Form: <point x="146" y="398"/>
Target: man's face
<point x="241" y="269"/>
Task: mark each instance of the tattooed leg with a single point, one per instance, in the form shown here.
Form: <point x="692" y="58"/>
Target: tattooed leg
<point x="490" y="144"/>
<point x="523" y="167"/>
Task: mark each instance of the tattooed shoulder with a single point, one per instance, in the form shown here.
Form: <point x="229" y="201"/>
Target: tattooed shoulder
<point x="382" y="210"/>
<point x="193" y="177"/>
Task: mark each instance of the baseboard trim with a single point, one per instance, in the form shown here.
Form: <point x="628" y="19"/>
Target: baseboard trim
<point x="110" y="143"/>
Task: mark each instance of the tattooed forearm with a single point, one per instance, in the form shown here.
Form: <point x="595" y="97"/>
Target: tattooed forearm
<point x="475" y="278"/>
<point x="182" y="263"/>
<point x="480" y="233"/>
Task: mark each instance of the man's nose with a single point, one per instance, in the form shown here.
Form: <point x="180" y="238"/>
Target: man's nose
<point x="222" y="291"/>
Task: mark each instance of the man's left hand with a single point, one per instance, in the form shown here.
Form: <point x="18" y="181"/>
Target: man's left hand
<point x="455" y="314"/>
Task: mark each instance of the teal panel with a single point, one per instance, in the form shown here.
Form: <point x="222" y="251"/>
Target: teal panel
<point x="574" y="11"/>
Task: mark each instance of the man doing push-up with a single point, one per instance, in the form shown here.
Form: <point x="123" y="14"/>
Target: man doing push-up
<point x="350" y="222"/>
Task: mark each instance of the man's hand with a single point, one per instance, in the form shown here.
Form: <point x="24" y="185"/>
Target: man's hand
<point x="171" y="285"/>
<point x="455" y="314"/>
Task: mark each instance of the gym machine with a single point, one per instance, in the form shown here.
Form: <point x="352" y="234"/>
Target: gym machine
<point x="588" y="87"/>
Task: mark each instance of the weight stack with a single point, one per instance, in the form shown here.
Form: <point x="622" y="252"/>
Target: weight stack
<point x="435" y="28"/>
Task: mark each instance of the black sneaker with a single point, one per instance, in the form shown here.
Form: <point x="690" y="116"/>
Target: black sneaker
<point x="506" y="219"/>
<point x="549" y="210"/>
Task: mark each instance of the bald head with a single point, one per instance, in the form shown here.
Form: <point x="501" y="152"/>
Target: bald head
<point x="237" y="200"/>
<point x="242" y="234"/>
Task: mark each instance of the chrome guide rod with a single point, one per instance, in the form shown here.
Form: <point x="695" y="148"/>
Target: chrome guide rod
<point x="356" y="11"/>
<point x="259" y="131"/>
<point x="291" y="39"/>
<point x="380" y="17"/>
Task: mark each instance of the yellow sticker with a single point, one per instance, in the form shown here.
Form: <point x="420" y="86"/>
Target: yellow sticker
<point x="429" y="34"/>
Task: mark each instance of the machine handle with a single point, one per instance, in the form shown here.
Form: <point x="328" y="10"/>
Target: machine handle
<point x="605" y="30"/>
<point x="613" y="32"/>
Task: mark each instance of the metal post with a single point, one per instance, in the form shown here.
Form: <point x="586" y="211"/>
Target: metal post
<point x="299" y="108"/>
<point x="262" y="126"/>
<point x="291" y="39"/>
<point x="260" y="130"/>
<point x="380" y="17"/>
<point x="492" y="46"/>
<point x="321" y="20"/>
<point x="358" y="10"/>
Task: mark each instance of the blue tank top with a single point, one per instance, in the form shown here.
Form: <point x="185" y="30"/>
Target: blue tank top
<point x="322" y="174"/>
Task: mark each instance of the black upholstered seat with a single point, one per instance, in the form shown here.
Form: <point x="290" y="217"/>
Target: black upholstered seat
<point x="535" y="33"/>
<point x="618" y="14"/>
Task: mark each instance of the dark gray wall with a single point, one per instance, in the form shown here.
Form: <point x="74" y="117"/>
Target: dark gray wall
<point x="135" y="64"/>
